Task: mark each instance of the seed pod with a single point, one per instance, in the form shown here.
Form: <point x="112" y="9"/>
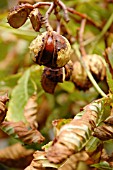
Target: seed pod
<point x="50" y="49"/>
<point x="35" y="18"/>
<point x="96" y="66"/>
<point x="18" y="16"/>
<point x="51" y="77"/>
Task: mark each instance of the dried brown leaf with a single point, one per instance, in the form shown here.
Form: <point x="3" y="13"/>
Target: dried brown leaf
<point x="21" y="132"/>
<point x="16" y="156"/>
<point x="72" y="136"/>
<point x="104" y="132"/>
<point x="43" y="112"/>
<point x="31" y="111"/>
<point x="40" y="162"/>
<point x="72" y="162"/>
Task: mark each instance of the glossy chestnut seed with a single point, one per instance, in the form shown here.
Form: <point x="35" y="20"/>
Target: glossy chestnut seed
<point x="18" y="16"/>
<point x="50" y="78"/>
<point x="50" y="49"/>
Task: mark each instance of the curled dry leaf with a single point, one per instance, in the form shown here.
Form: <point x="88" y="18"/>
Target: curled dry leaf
<point x="31" y="111"/>
<point x="3" y="109"/>
<point x="72" y="162"/>
<point x="19" y="131"/>
<point x="74" y="135"/>
<point x="105" y="131"/>
<point x="40" y="162"/>
<point x="16" y="156"/>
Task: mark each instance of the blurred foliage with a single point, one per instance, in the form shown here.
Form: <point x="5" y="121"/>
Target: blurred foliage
<point x="20" y="77"/>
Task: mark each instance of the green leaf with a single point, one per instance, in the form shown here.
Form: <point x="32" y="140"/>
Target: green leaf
<point x="10" y="81"/>
<point x="92" y="144"/>
<point x="102" y="166"/>
<point x="19" y="98"/>
<point x="110" y="56"/>
<point x="67" y="86"/>
<point x="108" y="145"/>
<point x="109" y="80"/>
<point x="21" y="33"/>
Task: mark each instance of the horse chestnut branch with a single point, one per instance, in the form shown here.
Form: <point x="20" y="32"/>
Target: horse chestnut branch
<point x="52" y="49"/>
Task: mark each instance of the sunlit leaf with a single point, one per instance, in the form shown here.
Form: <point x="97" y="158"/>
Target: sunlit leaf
<point x="103" y="166"/>
<point x="21" y="33"/>
<point x="20" y="95"/>
<point x="92" y="144"/>
<point x="10" y="81"/>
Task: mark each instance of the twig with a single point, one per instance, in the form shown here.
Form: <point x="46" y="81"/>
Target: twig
<point x="56" y="13"/>
<point x="81" y="31"/>
<point x="84" y="16"/>
<point x="38" y="4"/>
<point x="62" y="5"/>
<point x="46" y="20"/>
<point x="58" y="27"/>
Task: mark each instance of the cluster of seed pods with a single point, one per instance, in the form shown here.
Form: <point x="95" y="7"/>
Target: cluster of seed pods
<point x="49" y="48"/>
<point x="53" y="50"/>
